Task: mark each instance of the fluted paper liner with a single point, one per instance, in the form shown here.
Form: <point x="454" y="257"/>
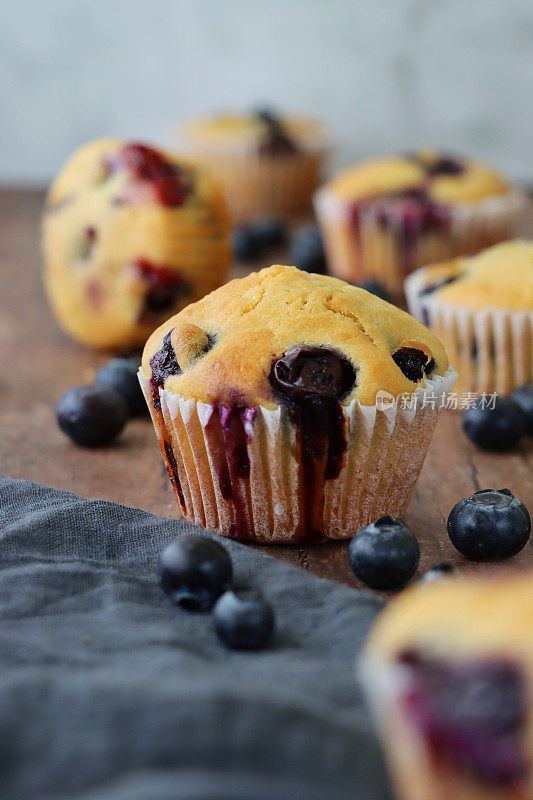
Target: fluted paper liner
<point x="492" y="348"/>
<point x="386" y="447"/>
<point x="383" y="251"/>
<point x="255" y="185"/>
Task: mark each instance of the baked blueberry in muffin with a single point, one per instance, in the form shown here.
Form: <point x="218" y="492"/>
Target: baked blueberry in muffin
<point x="130" y="235"/>
<point x="385" y="217"/>
<point x="449" y="673"/>
<point x="265" y="393"/>
<point x="482" y="309"/>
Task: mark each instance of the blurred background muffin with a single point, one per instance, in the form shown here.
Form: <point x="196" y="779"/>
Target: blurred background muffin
<point x="448" y="669"/>
<point x="130" y="235"/>
<point x="384" y="217"/>
<point x="266" y="164"/>
<point x="482" y="309"/>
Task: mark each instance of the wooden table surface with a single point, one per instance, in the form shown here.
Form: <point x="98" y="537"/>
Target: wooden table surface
<point x="38" y="363"/>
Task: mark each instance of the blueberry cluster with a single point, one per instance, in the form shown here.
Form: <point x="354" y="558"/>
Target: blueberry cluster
<point x="500" y="425"/>
<point x="197" y="573"/>
<point x="306" y="249"/>
<point x="93" y="416"/>
<point x="251" y="241"/>
<point x="491" y="525"/>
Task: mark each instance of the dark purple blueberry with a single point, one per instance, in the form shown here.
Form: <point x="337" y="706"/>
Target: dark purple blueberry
<point x="433" y="287"/>
<point x="376" y="288"/>
<point x="170" y="182"/>
<point x="494" y="426"/>
<point x="194" y="571"/>
<point x="269" y="232"/>
<point x="429" y="289"/>
<point x="276" y="140"/>
<point x="311" y="381"/>
<point x="92" y="416"/>
<point x="437" y="571"/>
<point x="164" y="362"/>
<point x="471" y="714"/>
<point x="413" y="363"/>
<point x="306" y="250"/>
<point x="244" y="620"/>
<point x="446" y="165"/>
<point x="277" y="143"/>
<point x="246" y="245"/>
<point x="163" y="288"/>
<point x="312" y="372"/>
<point x="121" y="375"/>
<point x="489" y="526"/>
<point x="88" y="241"/>
<point x="268" y="117"/>
<point x="523" y="397"/>
<point x="384" y="555"/>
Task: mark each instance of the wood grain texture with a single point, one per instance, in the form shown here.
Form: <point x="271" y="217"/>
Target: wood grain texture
<point x="38" y="363"/>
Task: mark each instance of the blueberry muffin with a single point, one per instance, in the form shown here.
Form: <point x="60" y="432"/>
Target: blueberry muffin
<point x="385" y="217"/>
<point x="482" y="309"/>
<point x="130" y="235"/>
<point x="279" y="401"/>
<point x="449" y="674"/>
<point x="266" y="164"/>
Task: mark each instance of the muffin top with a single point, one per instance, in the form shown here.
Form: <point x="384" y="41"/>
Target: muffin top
<point x="254" y="128"/>
<point x="119" y="174"/>
<point x="443" y="178"/>
<point x="262" y="339"/>
<point x="499" y="277"/>
<point x="459" y="617"/>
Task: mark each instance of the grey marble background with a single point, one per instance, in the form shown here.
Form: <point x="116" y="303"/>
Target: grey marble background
<point x="386" y="74"/>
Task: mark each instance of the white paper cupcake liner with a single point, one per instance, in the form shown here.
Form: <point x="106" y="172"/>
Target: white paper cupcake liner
<point x="373" y="248"/>
<point x="491" y="348"/>
<point x="406" y="753"/>
<point x="256" y="185"/>
<point x="386" y="447"/>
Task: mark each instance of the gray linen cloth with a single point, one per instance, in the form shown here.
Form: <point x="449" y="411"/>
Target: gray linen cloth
<point x="109" y="693"/>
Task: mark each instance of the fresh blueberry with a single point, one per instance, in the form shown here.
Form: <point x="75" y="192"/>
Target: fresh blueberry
<point x="491" y="525"/>
<point x="269" y="232"/>
<point x="92" y="416"/>
<point x="438" y="571"/>
<point x="244" y="620"/>
<point x="121" y="375"/>
<point x="246" y="245"/>
<point x="306" y="250"/>
<point x="384" y="555"/>
<point x="377" y="288"/>
<point x="523" y="397"/>
<point x="494" y="427"/>
<point x="194" y="572"/>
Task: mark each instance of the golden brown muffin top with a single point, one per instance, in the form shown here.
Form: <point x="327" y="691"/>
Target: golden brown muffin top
<point x="499" y="277"/>
<point x="444" y="178"/>
<point x="122" y="174"/>
<point x="226" y="343"/>
<point x="459" y="617"/>
<point x="228" y="128"/>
